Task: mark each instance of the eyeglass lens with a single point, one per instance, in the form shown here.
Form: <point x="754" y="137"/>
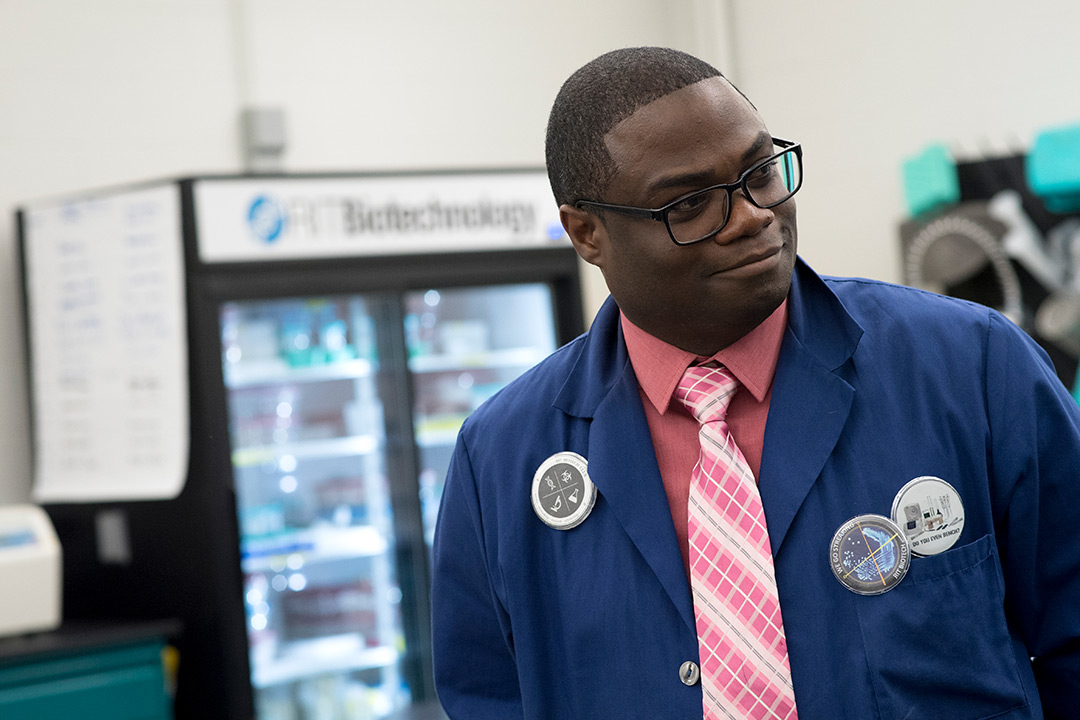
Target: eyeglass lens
<point x="704" y="214"/>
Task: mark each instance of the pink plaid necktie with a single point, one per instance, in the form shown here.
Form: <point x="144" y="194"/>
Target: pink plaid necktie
<point x="743" y="653"/>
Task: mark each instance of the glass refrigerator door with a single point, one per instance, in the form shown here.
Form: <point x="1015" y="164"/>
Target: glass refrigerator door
<point x="308" y="439"/>
<point x="464" y="344"/>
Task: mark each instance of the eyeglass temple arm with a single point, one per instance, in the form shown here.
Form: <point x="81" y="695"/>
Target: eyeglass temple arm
<point x="621" y="209"/>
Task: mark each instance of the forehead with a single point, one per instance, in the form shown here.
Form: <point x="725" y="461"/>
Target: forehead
<point x="702" y="129"/>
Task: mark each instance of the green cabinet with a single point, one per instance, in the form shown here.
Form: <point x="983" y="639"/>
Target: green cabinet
<point x="84" y="676"/>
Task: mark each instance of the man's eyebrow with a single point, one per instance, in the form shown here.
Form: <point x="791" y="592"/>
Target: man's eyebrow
<point x="763" y="140"/>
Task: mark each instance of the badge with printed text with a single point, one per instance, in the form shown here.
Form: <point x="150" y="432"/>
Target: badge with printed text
<point x="930" y="513"/>
<point x="562" y="493"/>
<point x="869" y="554"/>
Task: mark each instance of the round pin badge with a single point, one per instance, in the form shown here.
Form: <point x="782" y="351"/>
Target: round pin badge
<point x="869" y="554"/>
<point x="562" y="493"/>
<point x="930" y="513"/>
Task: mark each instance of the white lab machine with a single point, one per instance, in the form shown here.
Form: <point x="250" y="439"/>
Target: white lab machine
<point x="30" y="568"/>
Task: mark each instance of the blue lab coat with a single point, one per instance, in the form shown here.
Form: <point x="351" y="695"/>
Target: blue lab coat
<point x="876" y="385"/>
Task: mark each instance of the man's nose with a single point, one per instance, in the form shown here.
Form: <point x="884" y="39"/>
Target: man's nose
<point x="745" y="219"/>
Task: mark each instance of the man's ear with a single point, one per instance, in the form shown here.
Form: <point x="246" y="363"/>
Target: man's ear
<point x="586" y="232"/>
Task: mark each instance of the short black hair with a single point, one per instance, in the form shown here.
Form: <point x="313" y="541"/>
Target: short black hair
<point x="595" y="99"/>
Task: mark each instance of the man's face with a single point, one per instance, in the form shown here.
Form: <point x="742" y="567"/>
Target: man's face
<point x="705" y="296"/>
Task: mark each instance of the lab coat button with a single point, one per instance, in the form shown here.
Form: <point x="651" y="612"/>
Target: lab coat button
<point x="689" y="673"/>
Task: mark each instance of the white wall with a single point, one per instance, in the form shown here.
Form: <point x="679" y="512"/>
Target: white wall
<point x="104" y="92"/>
<point x="863" y="85"/>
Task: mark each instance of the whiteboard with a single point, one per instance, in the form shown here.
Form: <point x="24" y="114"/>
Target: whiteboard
<point x="108" y="344"/>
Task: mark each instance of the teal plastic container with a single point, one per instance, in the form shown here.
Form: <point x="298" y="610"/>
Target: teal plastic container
<point x="1076" y="388"/>
<point x="1053" y="168"/>
<point x="930" y="181"/>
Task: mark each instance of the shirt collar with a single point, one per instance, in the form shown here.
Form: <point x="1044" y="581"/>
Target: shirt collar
<point x="751" y="359"/>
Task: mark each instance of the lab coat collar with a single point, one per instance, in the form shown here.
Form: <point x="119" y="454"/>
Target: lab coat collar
<point x="818" y="325"/>
<point x="602" y="360"/>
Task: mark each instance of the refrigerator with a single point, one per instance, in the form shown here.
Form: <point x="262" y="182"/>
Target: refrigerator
<point x="245" y="391"/>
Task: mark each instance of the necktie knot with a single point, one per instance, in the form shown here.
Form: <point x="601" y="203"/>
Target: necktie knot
<point x="707" y="391"/>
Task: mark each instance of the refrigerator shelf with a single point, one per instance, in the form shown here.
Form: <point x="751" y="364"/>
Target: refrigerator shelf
<point x="522" y="357"/>
<point x="322" y="448"/>
<point x="277" y="371"/>
<point x="322" y="544"/>
<point x="326" y="655"/>
<point x="439" y="431"/>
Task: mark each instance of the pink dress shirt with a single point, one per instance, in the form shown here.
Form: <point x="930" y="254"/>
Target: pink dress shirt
<point x="659" y="366"/>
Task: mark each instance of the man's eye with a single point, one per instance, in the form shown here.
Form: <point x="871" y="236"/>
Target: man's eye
<point x="691" y="204"/>
<point x="763" y="175"/>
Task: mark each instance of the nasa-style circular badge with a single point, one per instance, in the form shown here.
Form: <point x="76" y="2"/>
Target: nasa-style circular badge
<point x="562" y="493"/>
<point x="930" y="513"/>
<point x="869" y="554"/>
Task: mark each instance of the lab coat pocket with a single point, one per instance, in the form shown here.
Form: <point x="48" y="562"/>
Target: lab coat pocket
<point x="937" y="644"/>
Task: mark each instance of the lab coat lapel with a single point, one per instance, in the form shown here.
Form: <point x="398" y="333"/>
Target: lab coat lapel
<point x="810" y="400"/>
<point x="622" y="463"/>
<point x="623" y="466"/>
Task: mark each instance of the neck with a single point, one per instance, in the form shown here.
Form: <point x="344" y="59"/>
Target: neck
<point x="701" y="339"/>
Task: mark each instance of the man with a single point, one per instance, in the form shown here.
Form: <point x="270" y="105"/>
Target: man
<point x="918" y="471"/>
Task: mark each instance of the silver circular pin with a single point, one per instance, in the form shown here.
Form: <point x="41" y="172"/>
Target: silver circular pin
<point x="562" y="493"/>
<point x="931" y="514"/>
<point x="869" y="554"/>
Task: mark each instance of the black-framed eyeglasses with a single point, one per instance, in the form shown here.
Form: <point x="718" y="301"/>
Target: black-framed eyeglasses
<point x="703" y="213"/>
